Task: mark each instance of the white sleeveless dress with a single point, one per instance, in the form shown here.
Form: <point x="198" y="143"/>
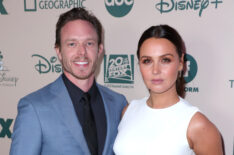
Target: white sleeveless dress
<point x="147" y="131"/>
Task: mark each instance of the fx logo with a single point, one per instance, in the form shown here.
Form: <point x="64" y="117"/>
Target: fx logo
<point x="5" y="127"/>
<point x="2" y="8"/>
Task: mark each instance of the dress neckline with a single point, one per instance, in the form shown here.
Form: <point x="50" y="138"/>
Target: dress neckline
<point x="162" y="109"/>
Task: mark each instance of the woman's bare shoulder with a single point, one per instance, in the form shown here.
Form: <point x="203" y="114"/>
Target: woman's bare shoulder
<point x="203" y="136"/>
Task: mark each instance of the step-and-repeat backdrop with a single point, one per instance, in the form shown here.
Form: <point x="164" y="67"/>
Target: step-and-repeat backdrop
<point x="28" y="60"/>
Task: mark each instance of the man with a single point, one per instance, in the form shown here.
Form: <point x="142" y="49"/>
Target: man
<point x="57" y="118"/>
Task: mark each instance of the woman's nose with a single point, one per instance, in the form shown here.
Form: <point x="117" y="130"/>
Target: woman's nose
<point x="156" y="68"/>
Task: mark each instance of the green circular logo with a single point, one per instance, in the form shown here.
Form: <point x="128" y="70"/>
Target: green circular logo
<point x="119" y="8"/>
<point x="191" y="68"/>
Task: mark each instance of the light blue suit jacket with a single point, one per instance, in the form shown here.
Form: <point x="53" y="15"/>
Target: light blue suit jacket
<point x="47" y="124"/>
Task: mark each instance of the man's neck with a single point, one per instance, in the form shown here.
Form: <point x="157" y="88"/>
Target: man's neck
<point x="83" y="84"/>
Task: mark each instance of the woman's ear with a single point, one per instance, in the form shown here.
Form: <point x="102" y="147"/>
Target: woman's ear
<point x="181" y="62"/>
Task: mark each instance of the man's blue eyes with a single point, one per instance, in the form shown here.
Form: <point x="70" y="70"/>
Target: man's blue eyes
<point x="86" y="44"/>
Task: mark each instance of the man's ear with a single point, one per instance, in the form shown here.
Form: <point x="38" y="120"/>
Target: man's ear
<point x="100" y="49"/>
<point x="57" y="50"/>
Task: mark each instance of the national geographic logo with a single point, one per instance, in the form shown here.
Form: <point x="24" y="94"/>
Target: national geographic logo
<point x="166" y="6"/>
<point x="5" y="127"/>
<point x="35" y="5"/>
<point x="191" y="72"/>
<point x="44" y="65"/>
<point x="119" y="8"/>
<point x="119" y="69"/>
<point x="2" y="8"/>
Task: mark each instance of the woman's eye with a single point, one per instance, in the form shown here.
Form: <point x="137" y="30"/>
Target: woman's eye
<point x="166" y="60"/>
<point x="146" y="61"/>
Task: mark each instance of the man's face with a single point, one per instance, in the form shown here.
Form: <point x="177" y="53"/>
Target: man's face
<point x="79" y="50"/>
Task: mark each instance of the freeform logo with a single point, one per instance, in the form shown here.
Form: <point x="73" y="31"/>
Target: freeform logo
<point x="119" y="69"/>
<point x="191" y="72"/>
<point x="119" y="8"/>
<point x="2" y="8"/>
<point x="6" y="80"/>
<point x="45" y="66"/>
<point x="191" y="68"/>
<point x="5" y="131"/>
<point x="34" y="5"/>
<point x="166" y="6"/>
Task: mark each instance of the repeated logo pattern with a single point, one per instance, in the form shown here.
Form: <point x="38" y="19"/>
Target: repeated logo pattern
<point x="119" y="69"/>
<point x="119" y="8"/>
<point x="35" y="5"/>
<point x="166" y="6"/>
<point x="2" y="8"/>
<point x="5" y="128"/>
<point x="5" y="79"/>
<point x="191" y="73"/>
<point x="44" y="65"/>
<point x="191" y="68"/>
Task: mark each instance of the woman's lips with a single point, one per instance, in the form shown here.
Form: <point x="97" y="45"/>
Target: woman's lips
<point x="157" y="81"/>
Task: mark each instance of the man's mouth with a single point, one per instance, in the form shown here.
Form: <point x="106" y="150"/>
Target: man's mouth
<point x="81" y="63"/>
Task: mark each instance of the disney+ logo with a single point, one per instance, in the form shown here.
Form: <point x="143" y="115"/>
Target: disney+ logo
<point x="166" y="6"/>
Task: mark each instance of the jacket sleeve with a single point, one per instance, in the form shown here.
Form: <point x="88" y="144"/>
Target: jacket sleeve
<point x="27" y="134"/>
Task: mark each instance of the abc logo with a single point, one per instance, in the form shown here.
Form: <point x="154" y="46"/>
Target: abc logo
<point x="119" y="8"/>
<point x="191" y="68"/>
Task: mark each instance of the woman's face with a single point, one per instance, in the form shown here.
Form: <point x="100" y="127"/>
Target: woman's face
<point x="159" y="65"/>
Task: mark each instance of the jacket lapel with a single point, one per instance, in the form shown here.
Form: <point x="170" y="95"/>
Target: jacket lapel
<point x="67" y="113"/>
<point x="110" y="119"/>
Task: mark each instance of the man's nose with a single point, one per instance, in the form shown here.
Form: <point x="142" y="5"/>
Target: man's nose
<point x="81" y="49"/>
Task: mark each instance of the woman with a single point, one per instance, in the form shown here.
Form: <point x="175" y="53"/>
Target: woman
<point x="164" y="123"/>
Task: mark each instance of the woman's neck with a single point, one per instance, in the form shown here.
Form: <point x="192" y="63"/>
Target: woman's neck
<point x="164" y="100"/>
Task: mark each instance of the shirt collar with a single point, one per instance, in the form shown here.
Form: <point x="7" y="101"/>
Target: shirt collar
<point x="93" y="91"/>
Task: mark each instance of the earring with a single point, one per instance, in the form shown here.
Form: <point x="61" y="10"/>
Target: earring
<point x="180" y="73"/>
